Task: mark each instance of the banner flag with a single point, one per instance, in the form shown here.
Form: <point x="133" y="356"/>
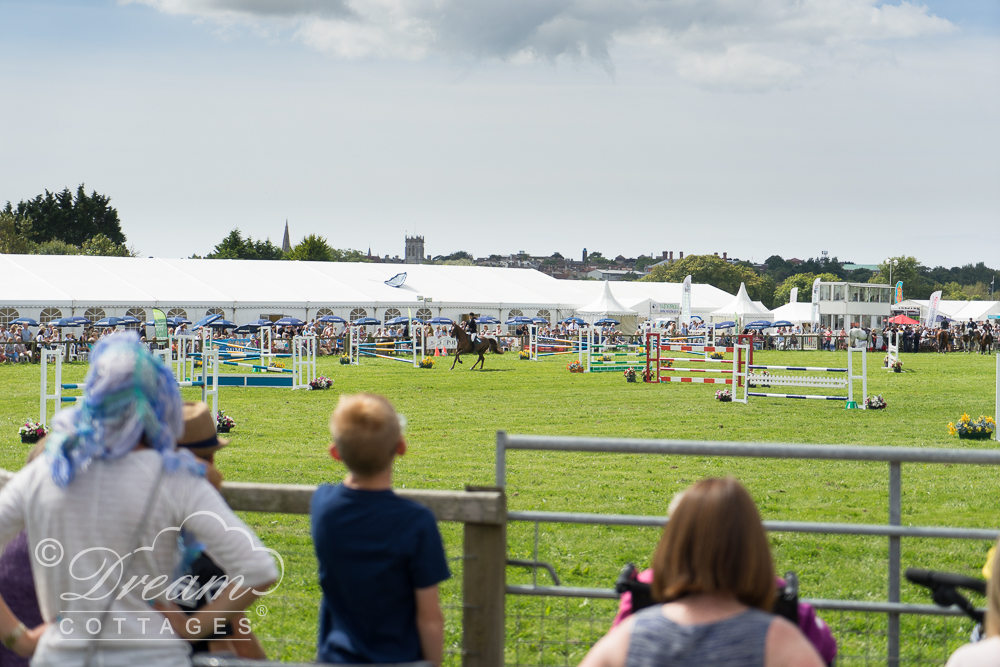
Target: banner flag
<point x="932" y="308"/>
<point x="686" y="303"/>
<point x="160" y="322"/>
<point x="899" y="292"/>
<point x="815" y="304"/>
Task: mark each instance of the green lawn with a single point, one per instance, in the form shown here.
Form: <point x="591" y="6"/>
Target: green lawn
<point x="281" y="437"/>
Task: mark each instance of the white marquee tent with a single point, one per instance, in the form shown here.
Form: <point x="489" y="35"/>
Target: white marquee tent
<point x="607" y="306"/>
<point x="743" y="310"/>
<point x="46" y="287"/>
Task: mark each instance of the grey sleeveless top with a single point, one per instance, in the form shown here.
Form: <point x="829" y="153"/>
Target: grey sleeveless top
<point x="737" y="641"/>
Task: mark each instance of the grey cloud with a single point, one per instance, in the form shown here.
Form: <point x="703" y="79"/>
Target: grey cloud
<point x="734" y="44"/>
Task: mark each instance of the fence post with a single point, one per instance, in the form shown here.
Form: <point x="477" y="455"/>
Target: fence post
<point x="895" y="517"/>
<point x="484" y="589"/>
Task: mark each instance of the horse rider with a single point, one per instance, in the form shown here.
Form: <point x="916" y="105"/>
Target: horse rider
<point x="472" y="328"/>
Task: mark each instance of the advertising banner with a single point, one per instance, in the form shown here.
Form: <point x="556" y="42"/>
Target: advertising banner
<point x="160" y="322"/>
<point x="932" y="309"/>
<point x="815" y="304"/>
<point x="686" y="303"/>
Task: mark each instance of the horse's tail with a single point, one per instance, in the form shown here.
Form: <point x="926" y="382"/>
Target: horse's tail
<point x="494" y="348"/>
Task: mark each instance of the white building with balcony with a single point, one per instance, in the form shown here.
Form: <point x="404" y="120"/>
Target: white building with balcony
<point x="843" y="305"/>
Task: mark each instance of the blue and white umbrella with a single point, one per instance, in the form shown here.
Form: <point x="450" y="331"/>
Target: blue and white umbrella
<point x="222" y="324"/>
<point x="264" y="323"/>
<point x="247" y="328"/>
<point x="366" y="321"/>
<point x="82" y="320"/>
<point x="607" y="321"/>
<point x="759" y="324"/>
<point x="332" y="319"/>
<point x="568" y="320"/>
<point x="67" y="322"/>
<point x="725" y="325"/>
<point x="487" y="319"/>
<point x="440" y="320"/>
<point x="26" y="321"/>
<point x="177" y="321"/>
<point x="542" y="320"/>
<point x="289" y="322"/>
<point x="404" y="320"/>
<point x="520" y="319"/>
<point x="109" y="322"/>
<point x="783" y="323"/>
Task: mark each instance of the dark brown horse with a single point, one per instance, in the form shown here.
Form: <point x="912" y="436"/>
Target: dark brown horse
<point x="986" y="343"/>
<point x="465" y="346"/>
<point x="944" y="340"/>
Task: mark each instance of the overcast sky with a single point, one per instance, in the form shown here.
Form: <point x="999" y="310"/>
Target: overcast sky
<point x="627" y="126"/>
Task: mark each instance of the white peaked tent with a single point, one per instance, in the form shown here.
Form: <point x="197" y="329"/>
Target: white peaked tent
<point x="743" y="309"/>
<point x="607" y="305"/>
<point x="797" y="312"/>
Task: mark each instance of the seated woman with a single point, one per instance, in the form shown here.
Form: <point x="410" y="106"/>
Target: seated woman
<point x="713" y="574"/>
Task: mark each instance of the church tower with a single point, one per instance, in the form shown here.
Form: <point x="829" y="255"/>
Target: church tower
<point x="414" y="250"/>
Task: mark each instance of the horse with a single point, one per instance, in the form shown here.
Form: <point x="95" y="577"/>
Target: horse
<point x="943" y="339"/>
<point x="465" y="346"/>
<point x="986" y="343"/>
<point x="967" y="341"/>
<point x="858" y="335"/>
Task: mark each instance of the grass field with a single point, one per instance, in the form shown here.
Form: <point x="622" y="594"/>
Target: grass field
<point x="281" y="437"/>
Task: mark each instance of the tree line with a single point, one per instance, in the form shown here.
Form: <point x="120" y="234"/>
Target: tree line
<point x="63" y="223"/>
<point x="772" y="283"/>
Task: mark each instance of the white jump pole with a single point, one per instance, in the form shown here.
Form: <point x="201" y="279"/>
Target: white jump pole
<point x="57" y="357"/>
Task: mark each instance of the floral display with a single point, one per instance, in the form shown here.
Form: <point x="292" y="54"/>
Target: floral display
<point x="724" y="395"/>
<point x="875" y="403"/>
<point x="647" y="375"/>
<point x="981" y="429"/>
<point x="427" y="362"/>
<point x="322" y="382"/>
<point x="630" y="375"/>
<point x="575" y="367"/>
<point x="223" y="422"/>
<point x="715" y="355"/>
<point x="31" y="432"/>
<point x="524" y="355"/>
<point x="345" y="360"/>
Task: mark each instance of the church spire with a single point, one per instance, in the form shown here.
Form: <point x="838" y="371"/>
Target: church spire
<point x="286" y="245"/>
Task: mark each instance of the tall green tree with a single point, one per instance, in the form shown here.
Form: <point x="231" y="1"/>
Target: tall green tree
<point x="312" y="248"/>
<point x="713" y="270"/>
<point x="234" y="246"/>
<point x="15" y="233"/>
<point x="804" y="282"/>
<point x="70" y="217"/>
<point x="101" y="246"/>
<point x="909" y="270"/>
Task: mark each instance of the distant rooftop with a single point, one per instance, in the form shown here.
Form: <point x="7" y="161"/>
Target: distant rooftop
<point x="855" y="267"/>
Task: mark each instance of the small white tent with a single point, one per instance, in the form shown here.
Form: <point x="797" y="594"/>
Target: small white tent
<point x="743" y="310"/>
<point x="607" y="305"/>
<point x="797" y="312"/>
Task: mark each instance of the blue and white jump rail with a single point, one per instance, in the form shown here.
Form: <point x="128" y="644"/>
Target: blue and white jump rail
<point x="207" y="381"/>
<point x="550" y="346"/>
<point x="406" y="351"/>
<point x="623" y="356"/>
<point x="837" y="379"/>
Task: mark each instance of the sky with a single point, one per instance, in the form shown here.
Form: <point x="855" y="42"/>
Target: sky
<point x="786" y="127"/>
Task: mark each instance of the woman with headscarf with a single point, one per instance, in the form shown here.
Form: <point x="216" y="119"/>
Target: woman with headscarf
<point x="103" y="509"/>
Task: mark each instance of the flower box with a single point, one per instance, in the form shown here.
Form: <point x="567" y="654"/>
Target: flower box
<point x="31" y="432"/>
<point x="225" y="429"/>
<point x="30" y="439"/>
<point x="975" y="436"/>
<point x="967" y="429"/>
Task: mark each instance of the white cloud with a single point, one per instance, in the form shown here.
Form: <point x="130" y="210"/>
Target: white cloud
<point x="728" y="44"/>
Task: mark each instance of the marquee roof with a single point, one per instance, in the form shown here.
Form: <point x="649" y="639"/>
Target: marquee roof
<point x="75" y="281"/>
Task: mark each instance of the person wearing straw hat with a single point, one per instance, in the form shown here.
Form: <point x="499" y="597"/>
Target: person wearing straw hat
<point x="103" y="508"/>
<point x="201" y="439"/>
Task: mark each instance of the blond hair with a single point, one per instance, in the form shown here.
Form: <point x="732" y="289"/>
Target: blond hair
<point x="993" y="598"/>
<point x="366" y="430"/>
<point x="714" y="542"/>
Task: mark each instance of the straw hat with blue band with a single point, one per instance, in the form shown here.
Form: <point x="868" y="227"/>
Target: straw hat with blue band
<point x="200" y="437"/>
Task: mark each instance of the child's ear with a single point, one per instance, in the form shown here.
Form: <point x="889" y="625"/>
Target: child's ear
<point x="334" y="452"/>
<point x="401" y="447"/>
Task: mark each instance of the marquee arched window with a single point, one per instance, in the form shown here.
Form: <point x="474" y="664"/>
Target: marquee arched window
<point x="545" y="314"/>
<point x="50" y="315"/>
<point x="323" y="312"/>
<point x="8" y="315"/>
<point x="424" y="314"/>
<point x="215" y="311"/>
<point x="178" y="312"/>
<point x="515" y="312"/>
<point x="95" y="315"/>
<point x="391" y="313"/>
<point x="358" y="313"/>
<point x="137" y="313"/>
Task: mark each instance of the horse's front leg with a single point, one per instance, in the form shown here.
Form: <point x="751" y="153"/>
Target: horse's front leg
<point x="456" y="359"/>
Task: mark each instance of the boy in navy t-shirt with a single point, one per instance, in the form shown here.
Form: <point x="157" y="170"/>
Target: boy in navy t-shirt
<point x="380" y="556"/>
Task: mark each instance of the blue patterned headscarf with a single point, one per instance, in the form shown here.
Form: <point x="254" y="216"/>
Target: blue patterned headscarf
<point x="129" y="394"/>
